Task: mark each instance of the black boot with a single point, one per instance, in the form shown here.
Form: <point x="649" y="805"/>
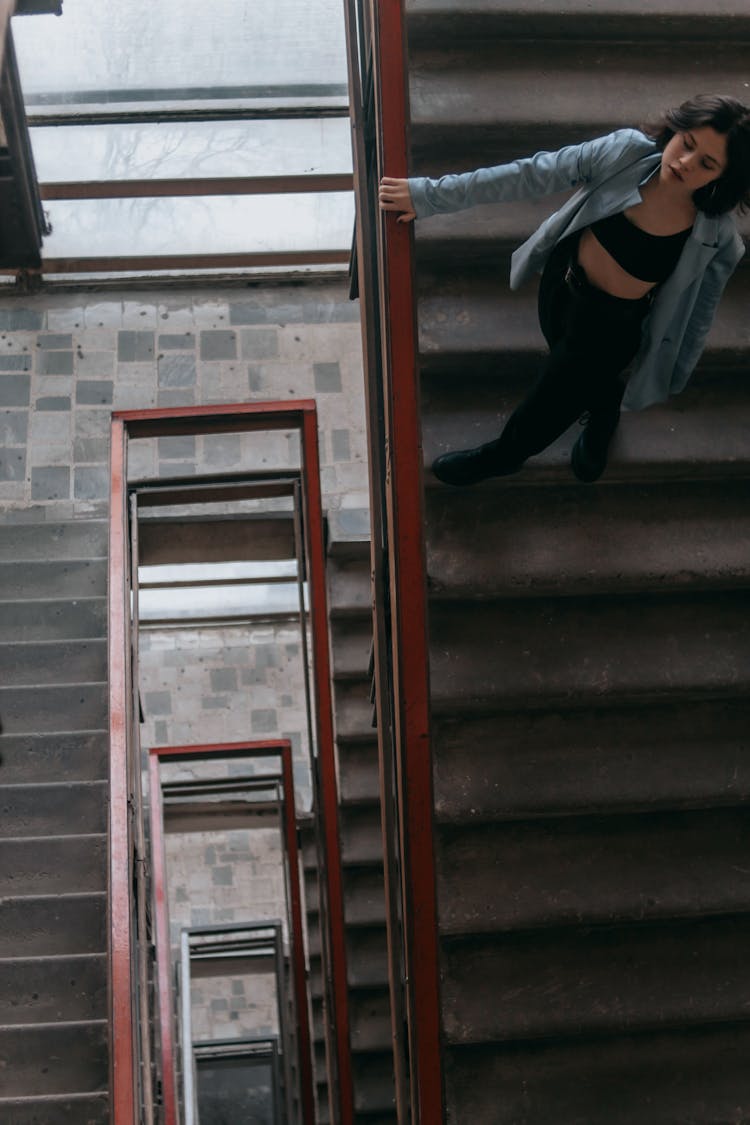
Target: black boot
<point x="470" y="466"/>
<point x="588" y="457"/>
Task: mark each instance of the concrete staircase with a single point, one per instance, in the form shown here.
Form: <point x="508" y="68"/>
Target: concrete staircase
<point x="590" y="646"/>
<point x="53" y="843"/>
<point x="357" y="752"/>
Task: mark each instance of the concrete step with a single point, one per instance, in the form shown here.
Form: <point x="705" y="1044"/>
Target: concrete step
<point x="53" y="710"/>
<point x="348" y="535"/>
<point x="349" y="587"/>
<point x="555" y="763"/>
<point x="472" y="323"/>
<point x="53" y="925"/>
<point x="369" y="1011"/>
<point x="364" y="897"/>
<point x="63" y="809"/>
<point x="52" y="865"/>
<point x="45" y="758"/>
<point x="698" y="1075"/>
<point x="464" y="247"/>
<point x="353" y="712"/>
<point x="47" y="989"/>
<point x="53" y="662"/>
<point x="359" y="778"/>
<point x="676" y="440"/>
<point x="56" y="1109"/>
<point x="592" y="870"/>
<point x="52" y="621"/>
<point x="58" y="1058"/>
<point x="450" y="21"/>
<point x="595" y="981"/>
<point x="588" y="651"/>
<point x="373" y="1088"/>
<point x="489" y="97"/>
<point x="74" y="578"/>
<point x="365" y="909"/>
<point x="615" y="538"/>
<point x="477" y="241"/>
<point x="361" y="840"/>
<point x="74" y="539"/>
<point x="367" y="962"/>
<point x="350" y="655"/>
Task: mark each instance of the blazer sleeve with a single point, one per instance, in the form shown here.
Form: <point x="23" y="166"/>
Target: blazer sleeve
<point x="712" y="285"/>
<point x="528" y="178"/>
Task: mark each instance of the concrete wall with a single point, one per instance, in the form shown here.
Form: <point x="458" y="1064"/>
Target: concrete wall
<point x="217" y="878"/>
<point x="67" y="359"/>
<point x="224" y="684"/>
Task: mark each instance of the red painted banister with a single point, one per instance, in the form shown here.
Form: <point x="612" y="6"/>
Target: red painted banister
<point x="407" y="578"/>
<point x="122" y="1059"/>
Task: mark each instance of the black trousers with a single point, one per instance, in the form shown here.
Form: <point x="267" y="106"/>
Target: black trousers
<point x="592" y="338"/>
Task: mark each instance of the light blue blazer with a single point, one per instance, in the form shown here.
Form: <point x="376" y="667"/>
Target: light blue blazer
<point x="609" y="172"/>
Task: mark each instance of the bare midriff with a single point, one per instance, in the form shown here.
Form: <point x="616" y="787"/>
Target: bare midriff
<point x="604" y="272"/>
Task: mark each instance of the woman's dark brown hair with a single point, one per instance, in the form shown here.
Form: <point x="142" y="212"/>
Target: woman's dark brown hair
<point x="731" y="118"/>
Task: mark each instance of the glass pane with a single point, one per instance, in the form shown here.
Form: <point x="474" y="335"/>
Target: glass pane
<point x="221" y="224"/>
<point x="207" y="603"/>
<point x="192" y="149"/>
<point x="235" y="1089"/>
<point x="202" y="572"/>
<point x="102" y="51"/>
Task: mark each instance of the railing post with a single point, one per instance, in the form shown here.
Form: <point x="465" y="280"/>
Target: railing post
<point x="123" y="1063"/>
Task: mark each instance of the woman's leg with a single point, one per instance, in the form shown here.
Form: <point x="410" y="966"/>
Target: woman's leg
<point x="592" y="338"/>
<point x="547" y="399"/>
<point x="581" y="372"/>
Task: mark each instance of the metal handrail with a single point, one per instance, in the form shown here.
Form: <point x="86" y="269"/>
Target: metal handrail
<point x="378" y="86"/>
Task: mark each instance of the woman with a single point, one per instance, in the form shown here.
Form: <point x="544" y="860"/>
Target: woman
<point x="633" y="268"/>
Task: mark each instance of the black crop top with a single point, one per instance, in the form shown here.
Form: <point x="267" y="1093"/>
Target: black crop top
<point x="649" y="257"/>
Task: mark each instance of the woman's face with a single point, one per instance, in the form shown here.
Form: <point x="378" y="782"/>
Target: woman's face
<point x="694" y="158"/>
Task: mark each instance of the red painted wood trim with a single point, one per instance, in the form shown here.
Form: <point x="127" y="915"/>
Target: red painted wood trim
<point x="267" y="415"/>
<point x="264" y="748"/>
<point x="122" y="1059"/>
<point x="206" y="186"/>
<point x="165" y="998"/>
<point x="408" y="592"/>
<point x="333" y="877"/>
<point x="138" y="263"/>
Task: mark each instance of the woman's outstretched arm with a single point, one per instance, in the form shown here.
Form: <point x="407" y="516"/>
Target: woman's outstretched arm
<point x="527" y="178"/>
<point x="394" y="195"/>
